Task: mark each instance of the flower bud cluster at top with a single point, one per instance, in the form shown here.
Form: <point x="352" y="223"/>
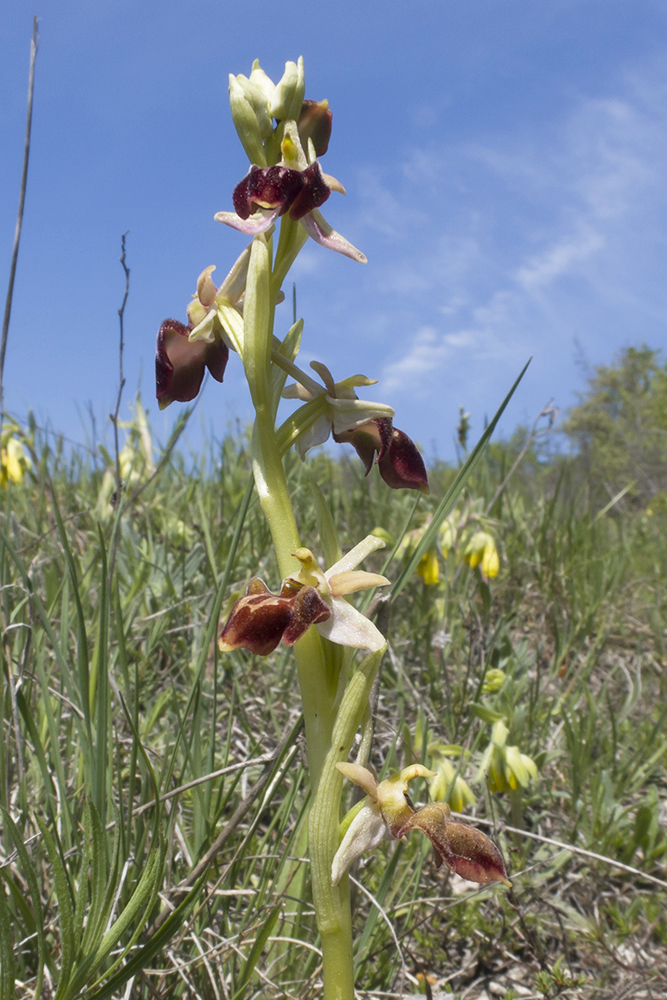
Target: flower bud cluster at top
<point x="283" y="135"/>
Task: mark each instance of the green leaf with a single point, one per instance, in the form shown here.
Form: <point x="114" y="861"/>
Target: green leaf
<point x="256" y="951"/>
<point x="157" y="943"/>
<point x="83" y="667"/>
<point x="101" y="885"/>
<point x="68" y="942"/>
<point x="289" y="348"/>
<point x="35" y="898"/>
<point x="39" y="750"/>
<point x="143" y="897"/>
<point x="326" y="526"/>
<point x="7" y="967"/>
<point x="485" y="714"/>
<point x="101" y="676"/>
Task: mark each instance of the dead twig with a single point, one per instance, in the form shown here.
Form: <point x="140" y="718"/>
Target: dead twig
<point x="115" y="499"/>
<point x="19" y="219"/>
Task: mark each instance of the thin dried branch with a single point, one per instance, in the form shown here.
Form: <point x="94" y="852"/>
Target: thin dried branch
<point x="34" y="44"/>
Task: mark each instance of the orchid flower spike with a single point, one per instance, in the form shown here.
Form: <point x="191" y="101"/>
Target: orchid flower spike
<point x="259" y="620"/>
<point x="387" y="811"/>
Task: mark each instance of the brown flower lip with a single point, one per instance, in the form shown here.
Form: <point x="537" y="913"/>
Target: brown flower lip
<point x="464" y="849"/>
<point x="296" y="191"/>
<point x="398" y="459"/>
<point x="260" y="619"/>
<point x="180" y="365"/>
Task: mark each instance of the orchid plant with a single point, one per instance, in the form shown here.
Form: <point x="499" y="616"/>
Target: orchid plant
<point x="278" y="204"/>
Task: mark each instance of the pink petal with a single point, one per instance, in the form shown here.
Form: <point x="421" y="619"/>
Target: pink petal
<point x="319" y="230"/>
<point x="257" y="223"/>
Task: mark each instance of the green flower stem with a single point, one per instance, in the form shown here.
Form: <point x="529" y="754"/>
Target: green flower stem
<point x="337" y="954"/>
<point x="328" y="736"/>
<point x="292" y="239"/>
<point x="332" y="905"/>
<point x="257" y="320"/>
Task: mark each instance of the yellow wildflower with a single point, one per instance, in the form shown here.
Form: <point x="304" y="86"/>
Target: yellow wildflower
<point x="482" y="549"/>
<point x="448" y="786"/>
<point x="13" y="460"/>
<point x="428" y="568"/>
<point x="506" y="766"/>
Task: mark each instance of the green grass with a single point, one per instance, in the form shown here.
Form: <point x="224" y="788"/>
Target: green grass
<point x="118" y="878"/>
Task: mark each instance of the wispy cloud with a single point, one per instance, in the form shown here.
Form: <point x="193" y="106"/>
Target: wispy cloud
<point x="521" y="244"/>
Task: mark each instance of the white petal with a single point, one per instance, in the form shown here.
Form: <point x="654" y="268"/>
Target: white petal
<point x="204" y="331"/>
<point x="351" y="413"/>
<point x="348" y="627"/>
<point x="297" y="391"/>
<point x="324" y="374"/>
<point x="206" y="288"/>
<point x="362" y="777"/>
<point x="364" y="833"/>
<point x="351" y="559"/>
<point x="233" y="286"/>
<point x="355" y="580"/>
<point x="316" y="434"/>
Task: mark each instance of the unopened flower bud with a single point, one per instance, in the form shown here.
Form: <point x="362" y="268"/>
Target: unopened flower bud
<point x="288" y="95"/>
<point x="257" y="100"/>
<point x="315" y="124"/>
<point x="259" y="78"/>
<point x="245" y="123"/>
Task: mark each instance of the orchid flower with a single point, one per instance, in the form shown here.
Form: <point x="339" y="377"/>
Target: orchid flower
<point x="367" y="426"/>
<point x="214" y="313"/>
<point x="398" y="459"/>
<point x="506" y="767"/>
<point x="184" y="352"/>
<point x="296" y="185"/>
<point x="387" y="811"/>
<point x="343" y="411"/>
<point x="14" y="458"/>
<point x="180" y="365"/>
<point x="260" y="619"/>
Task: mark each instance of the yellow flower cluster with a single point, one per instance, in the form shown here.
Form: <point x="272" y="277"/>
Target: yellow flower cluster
<point x="481" y="551"/>
<point x="448" y="785"/>
<point x="466" y="534"/>
<point x="506" y="766"/>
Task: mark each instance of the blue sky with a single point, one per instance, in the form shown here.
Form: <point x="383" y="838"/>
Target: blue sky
<point x="505" y="165"/>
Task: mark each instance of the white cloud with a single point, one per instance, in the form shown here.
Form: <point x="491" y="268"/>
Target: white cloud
<point x="531" y="242"/>
<point x="542" y="269"/>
